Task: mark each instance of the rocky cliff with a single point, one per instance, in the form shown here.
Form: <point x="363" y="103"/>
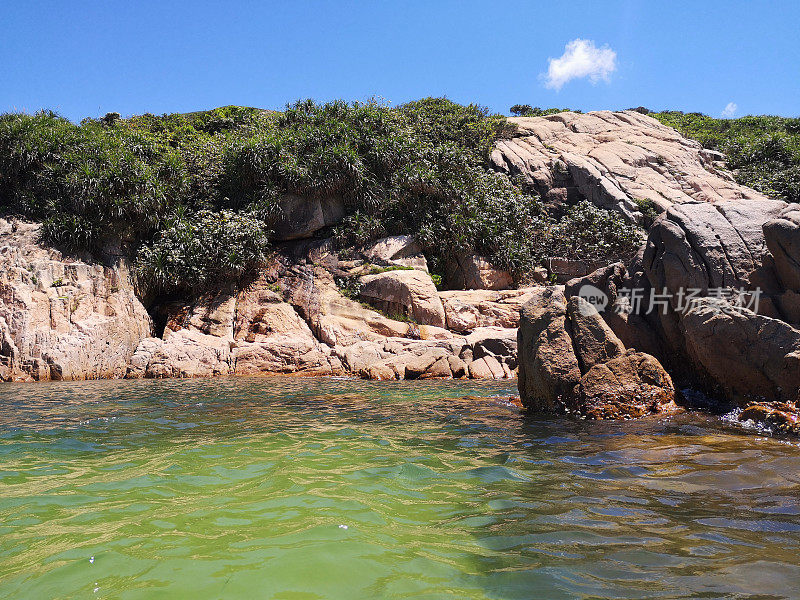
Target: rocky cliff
<point x="61" y="317"/>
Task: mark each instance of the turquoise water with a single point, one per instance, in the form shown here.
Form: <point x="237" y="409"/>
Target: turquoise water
<point x="302" y="489"/>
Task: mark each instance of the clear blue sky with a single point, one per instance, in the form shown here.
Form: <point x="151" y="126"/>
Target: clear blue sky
<point x="88" y="58"/>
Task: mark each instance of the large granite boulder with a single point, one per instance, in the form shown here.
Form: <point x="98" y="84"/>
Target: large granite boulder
<point x="400" y="250"/>
<point x="613" y="159"/>
<point x="570" y="360"/>
<point x="782" y="237"/>
<point x="466" y="310"/>
<point x="61" y="317"/>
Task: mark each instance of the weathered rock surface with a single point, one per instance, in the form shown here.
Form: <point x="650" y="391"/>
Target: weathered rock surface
<point x="398" y="250"/>
<point x="302" y="217"/>
<point x="248" y="332"/>
<point x="780" y="417"/>
<point x="466" y="310"/>
<point x="477" y="273"/>
<point x="611" y="159"/>
<point x="569" y="359"/>
<point x="409" y="293"/>
<point x="63" y="318"/>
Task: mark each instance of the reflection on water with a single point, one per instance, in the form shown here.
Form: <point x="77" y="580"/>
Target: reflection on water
<point x="302" y="489"/>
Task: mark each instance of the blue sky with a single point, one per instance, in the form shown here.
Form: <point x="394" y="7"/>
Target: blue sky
<point x="88" y="58"/>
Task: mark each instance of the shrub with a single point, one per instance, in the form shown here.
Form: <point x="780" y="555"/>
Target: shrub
<point x="591" y="233"/>
<point x="202" y="249"/>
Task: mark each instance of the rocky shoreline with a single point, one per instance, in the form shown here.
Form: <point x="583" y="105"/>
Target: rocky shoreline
<point x="375" y="312"/>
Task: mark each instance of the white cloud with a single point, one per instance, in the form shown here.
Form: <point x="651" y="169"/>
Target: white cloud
<point x="729" y="110"/>
<point x="581" y="58"/>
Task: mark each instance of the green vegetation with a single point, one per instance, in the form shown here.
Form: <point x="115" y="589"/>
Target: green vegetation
<point x="763" y="151"/>
<point x="648" y="210"/>
<point x="526" y="110"/>
<point x="194" y="197"/>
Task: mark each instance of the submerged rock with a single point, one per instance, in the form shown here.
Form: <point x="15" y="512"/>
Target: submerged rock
<point x="780" y="417"/>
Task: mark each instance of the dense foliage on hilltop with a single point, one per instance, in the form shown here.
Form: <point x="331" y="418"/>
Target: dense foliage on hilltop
<point x="763" y="151"/>
<point x="194" y="196"/>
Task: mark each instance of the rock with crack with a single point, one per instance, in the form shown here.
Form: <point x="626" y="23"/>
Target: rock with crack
<point x="569" y="359"/>
<point x="746" y="355"/>
<point x="339" y="321"/>
<point x="613" y="159"/>
<point x="409" y="293"/>
<point x="251" y="331"/>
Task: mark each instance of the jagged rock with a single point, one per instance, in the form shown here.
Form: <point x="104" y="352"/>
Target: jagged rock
<point x="60" y="317"/>
<point x="137" y="368"/>
<point x="302" y="217"/>
<point x="190" y="353"/>
<point x="410" y="293"/>
<point x="495" y="342"/>
<point x="593" y="340"/>
<point x="612" y="159"/>
<point x="780" y="417"/>
<point x="477" y="273"/>
<point x="339" y="321"/>
<point x="569" y="359"/>
<point x="466" y="310"/>
<point x="402" y="250"/>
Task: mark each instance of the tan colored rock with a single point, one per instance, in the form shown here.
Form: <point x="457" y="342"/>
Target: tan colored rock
<point x="61" y="317"/>
<point x="466" y="310"/>
<point x="189" y="353"/>
<point x="401" y="250"/>
<point x="486" y="367"/>
<point x="477" y="273"/>
<point x="458" y="367"/>
<point x="439" y="369"/>
<point x="613" y="158"/>
<point x="495" y="342"/>
<point x="405" y="292"/>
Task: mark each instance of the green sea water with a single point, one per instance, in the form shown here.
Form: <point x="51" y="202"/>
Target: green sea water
<point x="301" y="489"/>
